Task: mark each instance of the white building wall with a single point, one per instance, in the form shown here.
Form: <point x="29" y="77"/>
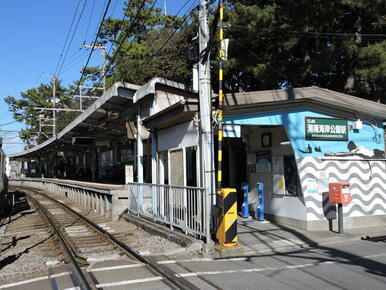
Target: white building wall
<point x="180" y="136"/>
<point x="368" y="187"/>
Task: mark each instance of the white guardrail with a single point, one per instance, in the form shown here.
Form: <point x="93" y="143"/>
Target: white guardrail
<point x="178" y="206"/>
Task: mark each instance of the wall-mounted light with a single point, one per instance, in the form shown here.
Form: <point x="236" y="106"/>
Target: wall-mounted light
<point x="357" y="125"/>
<point x="285" y="143"/>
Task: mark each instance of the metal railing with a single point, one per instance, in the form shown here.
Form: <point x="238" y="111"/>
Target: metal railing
<point x="178" y="206"/>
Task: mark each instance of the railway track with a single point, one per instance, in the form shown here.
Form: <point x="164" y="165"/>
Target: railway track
<point x="82" y="240"/>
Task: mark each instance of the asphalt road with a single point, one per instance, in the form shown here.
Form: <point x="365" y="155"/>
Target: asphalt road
<point x="354" y="265"/>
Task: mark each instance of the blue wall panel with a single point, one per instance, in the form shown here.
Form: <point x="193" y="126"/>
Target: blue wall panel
<point x="370" y="136"/>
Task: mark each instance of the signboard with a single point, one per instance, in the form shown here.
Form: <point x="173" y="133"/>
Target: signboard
<point x="326" y="129"/>
<point x="278" y="175"/>
<point x="129" y="173"/>
<point x="232" y="131"/>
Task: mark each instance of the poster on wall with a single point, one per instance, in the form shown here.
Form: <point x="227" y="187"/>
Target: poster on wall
<point x="263" y="162"/>
<point x="129" y="173"/>
<point x="311" y="186"/>
<point x="328" y="129"/>
<point x="107" y="158"/>
<point x="278" y="175"/>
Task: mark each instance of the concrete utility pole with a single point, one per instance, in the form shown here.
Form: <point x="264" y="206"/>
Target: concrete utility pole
<point x="206" y="138"/>
<point x="54" y="105"/>
<point x="103" y="50"/>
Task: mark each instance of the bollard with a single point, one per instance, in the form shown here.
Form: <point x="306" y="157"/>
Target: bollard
<point x="227" y="231"/>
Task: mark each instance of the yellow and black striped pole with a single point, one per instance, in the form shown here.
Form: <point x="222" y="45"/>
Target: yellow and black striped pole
<point x="227" y="197"/>
<point x="220" y="98"/>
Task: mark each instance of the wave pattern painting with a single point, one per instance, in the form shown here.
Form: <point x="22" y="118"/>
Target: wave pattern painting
<point x="368" y="186"/>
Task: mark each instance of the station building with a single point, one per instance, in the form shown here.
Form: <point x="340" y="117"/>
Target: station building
<point x="294" y="141"/>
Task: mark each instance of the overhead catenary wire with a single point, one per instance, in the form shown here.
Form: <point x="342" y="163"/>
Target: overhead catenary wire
<point x="8" y="123"/>
<point x="125" y="37"/>
<point x="94" y="42"/>
<point x="314" y="34"/>
<point x="184" y="20"/>
<point x="89" y="21"/>
<point x="68" y="34"/>
<point x="72" y="38"/>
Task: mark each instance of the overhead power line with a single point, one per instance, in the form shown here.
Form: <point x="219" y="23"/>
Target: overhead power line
<point x="89" y="20"/>
<point x="184" y="20"/>
<point x="72" y="38"/>
<point x="95" y="41"/>
<point x="8" y="123"/>
<point x="126" y="34"/>
<point x="315" y="34"/>
<point x="68" y="34"/>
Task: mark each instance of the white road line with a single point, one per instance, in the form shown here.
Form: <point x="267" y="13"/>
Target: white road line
<point x="203" y="260"/>
<point x="115" y="267"/>
<point x="119" y="283"/>
<point x="33" y="280"/>
<point x="287" y="267"/>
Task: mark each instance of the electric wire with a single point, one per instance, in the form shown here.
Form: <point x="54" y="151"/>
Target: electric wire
<point x="72" y="37"/>
<point x="68" y="34"/>
<point x="186" y="18"/>
<point x="314" y="34"/>
<point x="74" y="62"/>
<point x="4" y="124"/>
<point x="89" y="21"/>
<point x="188" y="14"/>
<point x="93" y="45"/>
<point x="125" y="37"/>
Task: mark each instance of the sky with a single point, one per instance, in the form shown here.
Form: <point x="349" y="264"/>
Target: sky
<point x="34" y="33"/>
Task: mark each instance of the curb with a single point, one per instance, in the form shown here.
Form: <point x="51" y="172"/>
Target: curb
<point x="189" y="243"/>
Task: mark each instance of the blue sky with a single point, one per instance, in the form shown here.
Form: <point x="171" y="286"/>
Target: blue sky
<point x="33" y="33"/>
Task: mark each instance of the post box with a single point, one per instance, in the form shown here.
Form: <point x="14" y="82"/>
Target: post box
<point x="339" y="192"/>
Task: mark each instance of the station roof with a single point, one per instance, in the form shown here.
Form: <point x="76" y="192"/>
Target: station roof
<point x="310" y="97"/>
<point x="104" y="119"/>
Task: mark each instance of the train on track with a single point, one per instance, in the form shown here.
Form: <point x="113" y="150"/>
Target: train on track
<point x="3" y="183"/>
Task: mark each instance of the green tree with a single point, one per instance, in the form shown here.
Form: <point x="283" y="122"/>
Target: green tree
<point x="307" y="42"/>
<point x="140" y="37"/>
<point x="25" y="110"/>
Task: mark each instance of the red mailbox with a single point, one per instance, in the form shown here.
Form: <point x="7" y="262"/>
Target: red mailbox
<point x="339" y="192"/>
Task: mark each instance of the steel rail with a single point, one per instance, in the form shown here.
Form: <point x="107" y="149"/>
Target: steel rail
<point x="85" y="282"/>
<point x="170" y="276"/>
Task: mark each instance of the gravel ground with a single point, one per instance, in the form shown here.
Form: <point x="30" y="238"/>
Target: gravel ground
<point x="26" y="246"/>
<point x="24" y="254"/>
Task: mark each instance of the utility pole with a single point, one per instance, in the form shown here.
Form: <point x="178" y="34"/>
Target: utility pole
<point x="103" y="50"/>
<point x="54" y="105"/>
<point x="206" y="138"/>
